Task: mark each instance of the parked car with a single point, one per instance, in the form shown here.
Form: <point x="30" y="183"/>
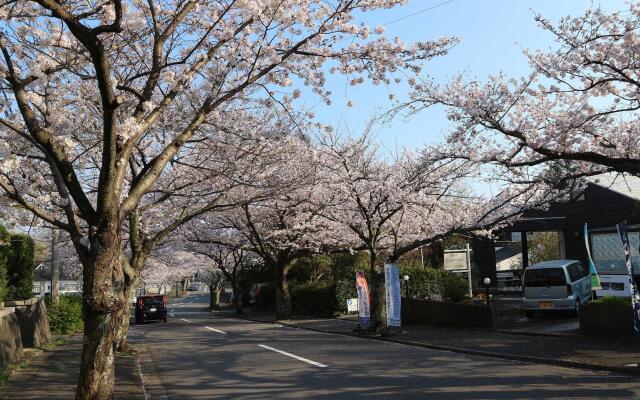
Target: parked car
<point x="151" y="308"/>
<point x="557" y="285"/>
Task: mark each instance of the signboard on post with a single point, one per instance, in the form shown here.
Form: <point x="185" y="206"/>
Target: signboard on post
<point x="455" y="260"/>
<point x="363" y="300"/>
<point x="459" y="261"/>
<point x="392" y="293"/>
<point x="635" y="296"/>
<point x="352" y="305"/>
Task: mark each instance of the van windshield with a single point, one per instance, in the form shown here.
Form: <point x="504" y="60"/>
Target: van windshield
<point x="544" y="277"/>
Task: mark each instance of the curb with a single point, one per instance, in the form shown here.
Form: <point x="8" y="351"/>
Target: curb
<point x="151" y="381"/>
<point x="461" y="350"/>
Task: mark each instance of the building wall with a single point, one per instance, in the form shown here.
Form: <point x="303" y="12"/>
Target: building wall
<point x="601" y="208"/>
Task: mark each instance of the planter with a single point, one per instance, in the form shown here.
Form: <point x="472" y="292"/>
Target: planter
<point x="446" y="314"/>
<point x="603" y="319"/>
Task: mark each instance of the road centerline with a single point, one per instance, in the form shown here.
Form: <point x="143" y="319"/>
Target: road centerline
<point x="215" y="330"/>
<point x="185" y="320"/>
<point x="317" y="364"/>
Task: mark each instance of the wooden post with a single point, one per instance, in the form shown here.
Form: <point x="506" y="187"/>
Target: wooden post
<point x="55" y="267"/>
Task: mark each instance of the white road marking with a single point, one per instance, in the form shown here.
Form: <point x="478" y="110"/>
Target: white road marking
<point x="317" y="364"/>
<point x="185" y="320"/>
<point x="215" y="330"/>
<point x="172" y="314"/>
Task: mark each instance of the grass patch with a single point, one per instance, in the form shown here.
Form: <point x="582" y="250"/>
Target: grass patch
<point x="57" y="341"/>
<point x="6" y="373"/>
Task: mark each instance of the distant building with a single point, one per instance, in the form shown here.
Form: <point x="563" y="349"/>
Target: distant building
<point x="607" y="200"/>
<point x="42" y="282"/>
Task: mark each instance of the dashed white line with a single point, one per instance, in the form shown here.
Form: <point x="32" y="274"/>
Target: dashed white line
<point x="215" y="330"/>
<point x="317" y="364"/>
<point x="185" y="320"/>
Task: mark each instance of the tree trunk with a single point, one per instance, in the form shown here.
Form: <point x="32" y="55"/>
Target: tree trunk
<point x="214" y="297"/>
<point x="55" y="267"/>
<point x="124" y="314"/>
<point x="237" y="296"/>
<point x="378" y="312"/>
<point x="103" y="296"/>
<point x="283" y="298"/>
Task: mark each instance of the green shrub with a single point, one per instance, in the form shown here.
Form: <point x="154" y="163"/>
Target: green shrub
<point x="313" y="298"/>
<point x="66" y="317"/>
<point x="433" y="284"/>
<point x="345" y="289"/>
<point x="613" y="301"/>
<point x="454" y="286"/>
<point x="5" y="251"/>
<point x="20" y="267"/>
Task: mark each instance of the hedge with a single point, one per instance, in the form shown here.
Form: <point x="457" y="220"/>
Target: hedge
<point x="434" y="284"/>
<point x="313" y="298"/>
<point x="20" y="267"/>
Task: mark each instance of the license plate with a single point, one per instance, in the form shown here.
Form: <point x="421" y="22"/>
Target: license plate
<point x="152" y="309"/>
<point x="546" y="304"/>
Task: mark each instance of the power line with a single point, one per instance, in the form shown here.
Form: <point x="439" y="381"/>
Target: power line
<point x="419" y="12"/>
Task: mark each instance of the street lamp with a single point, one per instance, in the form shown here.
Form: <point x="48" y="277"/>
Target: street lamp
<point x="406" y="282"/>
<point x="487" y="282"/>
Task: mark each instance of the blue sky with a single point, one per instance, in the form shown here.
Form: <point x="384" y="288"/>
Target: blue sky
<point x="493" y="34"/>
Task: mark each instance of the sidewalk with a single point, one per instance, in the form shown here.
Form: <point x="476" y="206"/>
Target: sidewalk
<point x="593" y="353"/>
<point x="53" y="374"/>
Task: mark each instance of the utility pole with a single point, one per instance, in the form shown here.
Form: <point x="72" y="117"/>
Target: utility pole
<point x="55" y="267"/>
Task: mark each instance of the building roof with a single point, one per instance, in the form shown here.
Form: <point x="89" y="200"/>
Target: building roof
<point x="627" y="185"/>
<point x="506" y="252"/>
<point x="42" y="272"/>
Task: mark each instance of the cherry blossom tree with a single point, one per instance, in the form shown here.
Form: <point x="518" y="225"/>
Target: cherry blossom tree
<point x="220" y="172"/>
<point x="577" y="110"/>
<point x="88" y="87"/>
<point x="284" y="223"/>
<point x="391" y="208"/>
<point x="230" y="261"/>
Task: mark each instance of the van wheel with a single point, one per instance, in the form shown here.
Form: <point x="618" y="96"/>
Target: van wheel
<point x="530" y="314"/>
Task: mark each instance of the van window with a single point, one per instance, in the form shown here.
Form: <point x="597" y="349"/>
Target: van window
<point x="153" y="301"/>
<point x="544" y="277"/>
<point x="575" y="272"/>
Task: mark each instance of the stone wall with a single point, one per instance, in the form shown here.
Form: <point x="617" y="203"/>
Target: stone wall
<point x="10" y="338"/>
<point x="34" y="324"/>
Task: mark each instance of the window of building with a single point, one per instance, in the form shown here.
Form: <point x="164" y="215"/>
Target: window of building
<point x="608" y="255"/>
<point x="36" y="288"/>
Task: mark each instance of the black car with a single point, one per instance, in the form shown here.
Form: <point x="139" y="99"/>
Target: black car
<point x="151" y="308"/>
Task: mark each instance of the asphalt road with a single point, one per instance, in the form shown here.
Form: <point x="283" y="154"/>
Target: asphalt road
<point x="198" y="355"/>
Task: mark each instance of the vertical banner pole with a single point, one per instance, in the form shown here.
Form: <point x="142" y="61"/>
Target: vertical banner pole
<point x="363" y="300"/>
<point x="469" y="271"/>
<point x="635" y="297"/>
<point x="392" y="294"/>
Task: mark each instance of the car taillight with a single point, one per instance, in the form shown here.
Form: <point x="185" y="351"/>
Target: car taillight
<point x="568" y="290"/>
